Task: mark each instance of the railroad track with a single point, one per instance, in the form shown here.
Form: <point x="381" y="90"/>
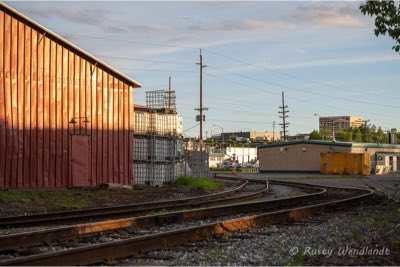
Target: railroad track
<point x="96" y="214"/>
<point x="262" y="213"/>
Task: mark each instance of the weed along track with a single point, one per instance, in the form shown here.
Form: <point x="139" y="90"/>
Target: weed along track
<point x="110" y="240"/>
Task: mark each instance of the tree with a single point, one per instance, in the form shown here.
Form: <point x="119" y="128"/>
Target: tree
<point x="387" y="19"/>
<point x="345" y="135"/>
<point x="380" y="136"/>
<point x="325" y="133"/>
<point x="357" y="135"/>
<point x="315" y="135"/>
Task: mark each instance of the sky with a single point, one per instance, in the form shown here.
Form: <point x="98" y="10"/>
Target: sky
<point x="324" y="56"/>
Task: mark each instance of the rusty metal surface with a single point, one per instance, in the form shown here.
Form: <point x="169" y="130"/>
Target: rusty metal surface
<point x="80" y="160"/>
<point x="134" y="246"/>
<point x="45" y="84"/>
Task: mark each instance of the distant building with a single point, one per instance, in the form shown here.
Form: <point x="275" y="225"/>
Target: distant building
<point x="328" y="126"/>
<point x="305" y="156"/>
<point x="258" y="136"/>
<point x="298" y="137"/>
<point x="241" y="155"/>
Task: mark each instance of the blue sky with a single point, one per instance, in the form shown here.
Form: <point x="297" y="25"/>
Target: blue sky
<point x="323" y="55"/>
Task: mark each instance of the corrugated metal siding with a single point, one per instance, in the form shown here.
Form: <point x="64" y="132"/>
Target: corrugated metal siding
<point x="43" y="86"/>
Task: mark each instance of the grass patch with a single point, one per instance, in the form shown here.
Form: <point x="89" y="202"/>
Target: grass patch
<point x="199" y="182"/>
<point x="299" y="258"/>
<point x="158" y="212"/>
<point x="305" y="177"/>
<point x="356" y="234"/>
<point x="142" y="187"/>
<point x="67" y="203"/>
<point x="20" y="196"/>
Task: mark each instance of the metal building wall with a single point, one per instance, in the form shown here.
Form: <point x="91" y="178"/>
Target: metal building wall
<point x="44" y="84"/>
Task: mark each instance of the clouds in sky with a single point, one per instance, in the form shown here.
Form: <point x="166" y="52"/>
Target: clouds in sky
<point x="112" y="20"/>
<point x="327" y="42"/>
<point x="331" y="16"/>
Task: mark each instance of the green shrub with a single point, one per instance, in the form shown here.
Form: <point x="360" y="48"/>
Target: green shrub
<point x="199" y="182"/>
<point x="20" y="195"/>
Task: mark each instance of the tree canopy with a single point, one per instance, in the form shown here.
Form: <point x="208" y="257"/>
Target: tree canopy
<point x="368" y="134"/>
<point x="315" y="135"/>
<point x="387" y="19"/>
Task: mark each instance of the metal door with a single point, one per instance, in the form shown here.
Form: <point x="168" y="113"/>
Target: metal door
<point x="80" y="160"/>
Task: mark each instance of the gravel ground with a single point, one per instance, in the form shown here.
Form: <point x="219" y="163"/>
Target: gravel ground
<point x="342" y="238"/>
<point x="390" y="184"/>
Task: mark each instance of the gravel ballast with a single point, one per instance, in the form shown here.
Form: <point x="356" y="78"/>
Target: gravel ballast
<point x="364" y="236"/>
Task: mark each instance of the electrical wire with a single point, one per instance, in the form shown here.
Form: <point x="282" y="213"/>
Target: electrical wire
<point x="281" y="73"/>
<point x="191" y="127"/>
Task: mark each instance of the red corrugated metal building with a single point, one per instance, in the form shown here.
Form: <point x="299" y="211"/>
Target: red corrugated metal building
<point x="66" y="118"/>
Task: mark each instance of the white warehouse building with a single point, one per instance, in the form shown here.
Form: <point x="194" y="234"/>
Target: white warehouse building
<point x="241" y="155"/>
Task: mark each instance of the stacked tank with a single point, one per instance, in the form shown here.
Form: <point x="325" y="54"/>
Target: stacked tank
<point x="158" y="145"/>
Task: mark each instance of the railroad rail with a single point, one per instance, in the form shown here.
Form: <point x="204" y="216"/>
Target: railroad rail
<point x="95" y="214"/>
<point x="12" y="242"/>
<point x="272" y="211"/>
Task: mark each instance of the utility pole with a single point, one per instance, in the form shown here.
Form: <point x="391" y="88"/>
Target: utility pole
<point x="284" y="124"/>
<point x="201" y="118"/>
<point x="273" y="131"/>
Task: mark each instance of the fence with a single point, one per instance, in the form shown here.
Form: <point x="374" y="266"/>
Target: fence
<point x="196" y="158"/>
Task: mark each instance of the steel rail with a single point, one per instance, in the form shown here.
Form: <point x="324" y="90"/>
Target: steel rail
<point x="21" y="241"/>
<point x="135" y="246"/>
<point x="118" y="211"/>
<point x="289" y="183"/>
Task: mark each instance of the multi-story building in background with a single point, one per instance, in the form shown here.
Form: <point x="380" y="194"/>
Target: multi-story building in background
<point x="257" y="136"/>
<point x="328" y="126"/>
<point x="298" y="137"/>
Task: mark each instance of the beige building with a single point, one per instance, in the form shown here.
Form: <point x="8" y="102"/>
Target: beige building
<point x="330" y="125"/>
<point x="304" y="156"/>
<point x="263" y="136"/>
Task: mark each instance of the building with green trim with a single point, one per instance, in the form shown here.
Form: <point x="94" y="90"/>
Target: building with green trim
<point x="305" y="156"/>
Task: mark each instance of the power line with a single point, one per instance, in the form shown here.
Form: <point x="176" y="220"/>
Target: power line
<point x="263" y="90"/>
<point x="242" y="62"/>
<point x="283" y="73"/>
<point x="144" y="59"/>
<point x="191" y="128"/>
<point x="307" y="91"/>
<point x="88" y="36"/>
<point x="156" y="70"/>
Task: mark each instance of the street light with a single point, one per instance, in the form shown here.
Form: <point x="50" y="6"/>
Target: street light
<point x="333" y="127"/>
<point x="222" y="132"/>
